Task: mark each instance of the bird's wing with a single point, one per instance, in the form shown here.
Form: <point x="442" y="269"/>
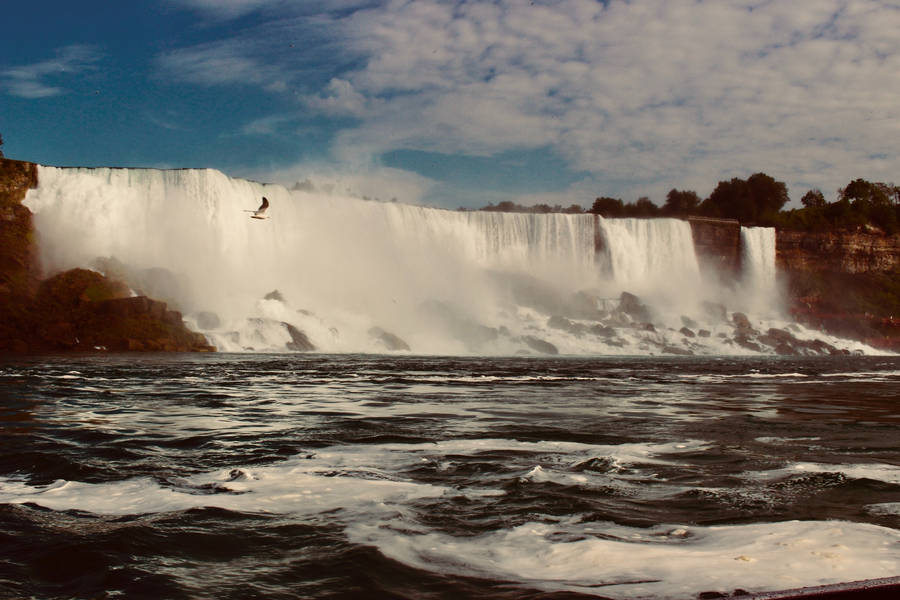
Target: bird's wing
<point x="262" y="207"/>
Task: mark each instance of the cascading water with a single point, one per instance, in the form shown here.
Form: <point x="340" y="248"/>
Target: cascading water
<point x="654" y="258"/>
<point x="758" y="267"/>
<point x="362" y="276"/>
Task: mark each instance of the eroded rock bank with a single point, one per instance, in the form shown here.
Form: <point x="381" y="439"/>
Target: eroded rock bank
<point x="76" y="310"/>
<point x="844" y="283"/>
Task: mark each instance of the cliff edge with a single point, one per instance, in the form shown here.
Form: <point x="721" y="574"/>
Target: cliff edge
<point x="76" y="310"/>
<point x="844" y="282"/>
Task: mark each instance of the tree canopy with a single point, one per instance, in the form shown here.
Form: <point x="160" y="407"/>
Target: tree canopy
<point x="758" y="199"/>
<point x="681" y="203"/>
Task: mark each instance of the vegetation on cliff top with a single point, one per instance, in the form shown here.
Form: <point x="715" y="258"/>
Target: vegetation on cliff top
<point x="757" y="200"/>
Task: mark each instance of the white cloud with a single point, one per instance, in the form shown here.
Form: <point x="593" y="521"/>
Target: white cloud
<point x="641" y="94"/>
<point x="339" y="99"/>
<point x="644" y="95"/>
<point x="227" y="9"/>
<point x="373" y="182"/>
<point x="221" y="63"/>
<point x="44" y="79"/>
<point x="232" y="9"/>
<point x="267" y="125"/>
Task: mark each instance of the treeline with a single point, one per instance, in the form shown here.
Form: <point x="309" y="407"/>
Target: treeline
<point x="757" y="200"/>
<point x="507" y="206"/>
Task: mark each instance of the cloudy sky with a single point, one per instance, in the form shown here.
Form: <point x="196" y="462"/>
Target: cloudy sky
<point x="461" y="103"/>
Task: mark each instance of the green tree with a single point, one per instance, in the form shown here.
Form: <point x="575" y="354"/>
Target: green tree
<point x="872" y="203"/>
<point x="608" y="207"/>
<point x="681" y="203"/>
<point x="644" y="207"/>
<point x="813" y="199"/>
<point x="754" y="200"/>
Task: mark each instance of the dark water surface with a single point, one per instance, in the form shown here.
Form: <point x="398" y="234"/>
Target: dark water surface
<point x="343" y="476"/>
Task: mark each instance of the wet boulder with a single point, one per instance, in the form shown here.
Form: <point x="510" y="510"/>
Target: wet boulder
<point x="388" y="339"/>
<point x="688" y="322"/>
<point x="84" y="310"/>
<point x="633" y="307"/>
<point x="564" y="324"/>
<point x="742" y="323"/>
<point x="299" y="341"/>
<point x="603" y="331"/>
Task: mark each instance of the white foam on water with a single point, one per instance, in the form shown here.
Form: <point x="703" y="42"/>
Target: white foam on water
<point x="876" y="471"/>
<point x="298" y="487"/>
<point x="331" y="478"/>
<point x="785" y="440"/>
<point x="885" y="509"/>
<point x="365" y="489"/>
<point x="666" y="561"/>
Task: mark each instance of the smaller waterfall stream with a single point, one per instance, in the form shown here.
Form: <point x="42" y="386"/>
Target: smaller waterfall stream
<point x="758" y="268"/>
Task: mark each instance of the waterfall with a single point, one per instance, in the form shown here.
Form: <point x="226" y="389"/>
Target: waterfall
<point x="758" y="267"/>
<point x="185" y="236"/>
<point x="364" y="276"/>
<point x="650" y="253"/>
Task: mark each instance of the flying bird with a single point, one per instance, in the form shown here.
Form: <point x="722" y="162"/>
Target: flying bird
<point x="260" y="213"/>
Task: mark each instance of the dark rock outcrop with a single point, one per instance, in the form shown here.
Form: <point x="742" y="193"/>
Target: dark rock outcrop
<point x="717" y="243"/>
<point x="83" y="310"/>
<point x="564" y="324"/>
<point x="77" y="310"/>
<point x="388" y="339"/>
<point x="634" y="308"/>
<point x="299" y="341"/>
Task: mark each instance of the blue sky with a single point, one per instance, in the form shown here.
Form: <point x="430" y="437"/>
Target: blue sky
<point x="461" y="103"/>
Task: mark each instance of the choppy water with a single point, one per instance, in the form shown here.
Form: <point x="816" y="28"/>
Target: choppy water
<point x="298" y="476"/>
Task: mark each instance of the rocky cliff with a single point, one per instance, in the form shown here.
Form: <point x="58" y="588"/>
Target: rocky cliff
<point x="718" y="245"/>
<point x="75" y="310"/>
<point x="838" y="251"/>
<point x="845" y="282"/>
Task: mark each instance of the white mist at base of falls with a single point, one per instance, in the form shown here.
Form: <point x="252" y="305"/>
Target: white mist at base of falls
<point x="356" y="276"/>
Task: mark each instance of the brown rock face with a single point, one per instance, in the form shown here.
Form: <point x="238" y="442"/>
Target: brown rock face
<point x="76" y="310"/>
<point x="717" y="243"/>
<point x="838" y="251"/>
<point x="19" y="272"/>
<point x="844" y="282"/>
<point x="83" y="310"/>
